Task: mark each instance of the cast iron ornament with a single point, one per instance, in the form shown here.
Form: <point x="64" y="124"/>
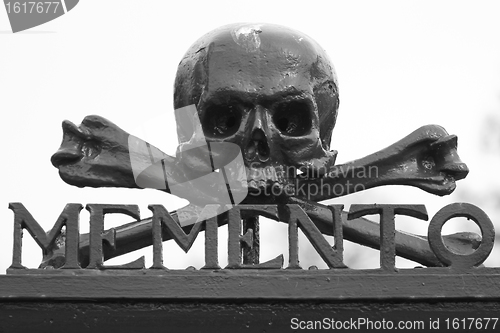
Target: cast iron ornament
<point x="273" y="92"/>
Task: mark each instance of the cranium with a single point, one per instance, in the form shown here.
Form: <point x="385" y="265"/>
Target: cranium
<point x="269" y="89"/>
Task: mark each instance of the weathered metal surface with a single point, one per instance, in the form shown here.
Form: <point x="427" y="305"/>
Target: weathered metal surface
<point x="233" y="316"/>
<point x="337" y="284"/>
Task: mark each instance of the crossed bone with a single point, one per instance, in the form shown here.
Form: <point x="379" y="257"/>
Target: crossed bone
<point x="97" y="154"/>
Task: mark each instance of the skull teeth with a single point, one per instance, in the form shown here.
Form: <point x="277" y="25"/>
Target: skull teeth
<point x="264" y="177"/>
<point x="258" y="184"/>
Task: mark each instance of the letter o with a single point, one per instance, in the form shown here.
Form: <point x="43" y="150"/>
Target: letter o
<point x="450" y="258"/>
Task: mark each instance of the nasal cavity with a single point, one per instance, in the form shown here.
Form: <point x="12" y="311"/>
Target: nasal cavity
<point x="258" y="146"/>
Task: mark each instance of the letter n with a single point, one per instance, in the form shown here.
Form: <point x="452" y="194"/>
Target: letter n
<point x="333" y="256"/>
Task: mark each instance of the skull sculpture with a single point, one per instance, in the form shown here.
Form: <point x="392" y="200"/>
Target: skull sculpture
<point x="272" y="92"/>
<point x="269" y="89"/>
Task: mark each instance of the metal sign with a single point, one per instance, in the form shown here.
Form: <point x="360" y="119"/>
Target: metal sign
<point x="255" y="107"/>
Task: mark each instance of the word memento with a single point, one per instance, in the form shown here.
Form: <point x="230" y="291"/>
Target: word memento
<point x="293" y="214"/>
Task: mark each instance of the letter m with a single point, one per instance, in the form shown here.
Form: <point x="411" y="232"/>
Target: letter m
<point x="24" y="220"/>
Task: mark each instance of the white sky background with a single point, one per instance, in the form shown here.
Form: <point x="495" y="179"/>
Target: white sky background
<point x="400" y="64"/>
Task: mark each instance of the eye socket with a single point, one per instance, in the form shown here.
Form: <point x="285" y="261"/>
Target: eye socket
<point x="221" y="120"/>
<point x="293" y="118"/>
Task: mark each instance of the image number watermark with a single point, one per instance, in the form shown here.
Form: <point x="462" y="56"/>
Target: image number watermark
<point x="24" y="15"/>
<point x="31" y="7"/>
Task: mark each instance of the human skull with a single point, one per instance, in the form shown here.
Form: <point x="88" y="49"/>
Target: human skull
<point x="269" y="89"/>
